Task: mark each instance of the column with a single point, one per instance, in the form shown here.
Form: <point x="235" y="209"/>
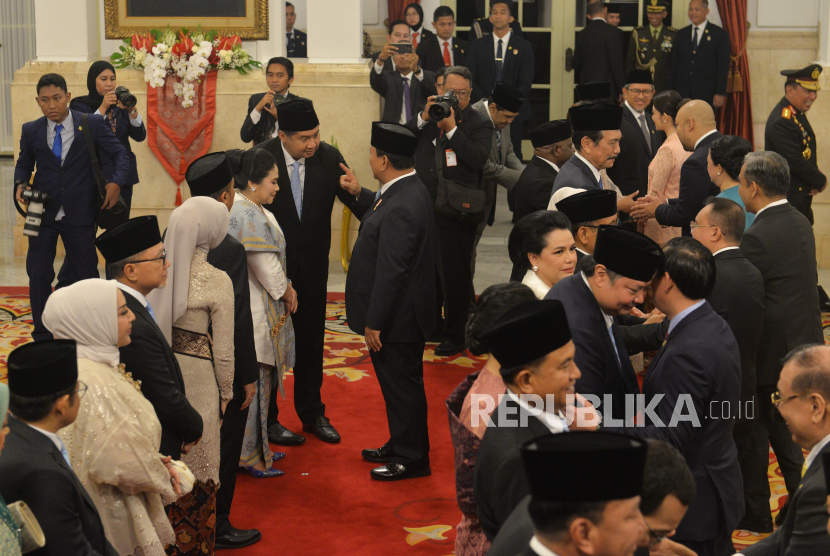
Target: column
<point x="275" y="45"/>
<point x="66" y="30"/>
<point x="335" y="31"/>
<point x="824" y="33"/>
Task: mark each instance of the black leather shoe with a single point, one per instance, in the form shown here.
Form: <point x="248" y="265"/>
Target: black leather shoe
<point x="231" y="537"/>
<point x="397" y="472"/>
<point x="384" y="454"/>
<point x="284" y="437"/>
<point x="449" y="347"/>
<point x="322" y="429"/>
<point x="756" y="526"/>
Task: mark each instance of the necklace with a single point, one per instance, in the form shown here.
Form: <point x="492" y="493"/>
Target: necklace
<point x="252" y="202"/>
<point x="129" y="377"/>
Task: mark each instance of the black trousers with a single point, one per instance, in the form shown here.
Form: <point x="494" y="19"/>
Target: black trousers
<point x="516" y="129"/>
<point x="231" y="435"/>
<point x="81" y="263"/>
<point x="720" y="546"/>
<point x="399" y="367"/>
<point x="309" y="332"/>
<point x="769" y="430"/>
<point x="456" y="241"/>
<point x="802" y="202"/>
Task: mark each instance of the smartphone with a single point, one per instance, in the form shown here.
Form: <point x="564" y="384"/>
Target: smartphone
<point x="403" y="47"/>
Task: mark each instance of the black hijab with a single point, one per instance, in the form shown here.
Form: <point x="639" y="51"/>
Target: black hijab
<point x="420" y="11"/>
<point x="94" y="99"/>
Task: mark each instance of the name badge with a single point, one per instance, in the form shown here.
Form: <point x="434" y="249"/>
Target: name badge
<point x="451" y="158"/>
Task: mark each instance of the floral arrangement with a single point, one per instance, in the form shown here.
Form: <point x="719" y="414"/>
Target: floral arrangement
<point x="186" y="55"/>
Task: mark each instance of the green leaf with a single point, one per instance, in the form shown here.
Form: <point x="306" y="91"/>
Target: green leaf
<point x="115" y="56"/>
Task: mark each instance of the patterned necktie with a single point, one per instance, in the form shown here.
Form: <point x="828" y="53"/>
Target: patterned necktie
<point x="65" y="454"/>
<point x="646" y="133"/>
<point x="297" y="189"/>
<point x="289" y="47"/>
<point x="150" y="310"/>
<point x="498" y="146"/>
<point x="499" y="61"/>
<point x="57" y="146"/>
<point x="600" y="182"/>
<point x="447" y="59"/>
<point x="804" y="469"/>
<point x="414" y="41"/>
<point x="407" y="99"/>
<point x="694" y="41"/>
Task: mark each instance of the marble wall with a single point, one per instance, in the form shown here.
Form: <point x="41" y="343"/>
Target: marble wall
<point x="345" y="104"/>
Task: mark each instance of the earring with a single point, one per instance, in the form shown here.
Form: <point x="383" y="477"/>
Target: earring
<point x="253" y="189"/>
<point x="535" y="269"/>
<point x="719" y="173"/>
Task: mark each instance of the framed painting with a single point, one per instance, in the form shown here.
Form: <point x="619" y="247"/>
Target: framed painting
<point x="246" y="18"/>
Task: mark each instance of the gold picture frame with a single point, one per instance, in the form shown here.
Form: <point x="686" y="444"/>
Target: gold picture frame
<point x="253" y="26"/>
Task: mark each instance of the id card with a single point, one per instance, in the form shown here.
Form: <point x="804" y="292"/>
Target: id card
<point x="451" y="158"/>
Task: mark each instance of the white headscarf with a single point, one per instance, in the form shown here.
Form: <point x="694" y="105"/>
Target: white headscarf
<point x="200" y="223"/>
<point x="87" y="312"/>
<point x="563" y="193"/>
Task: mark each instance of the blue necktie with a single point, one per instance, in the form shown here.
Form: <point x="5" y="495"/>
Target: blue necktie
<point x="150" y="310"/>
<point x="297" y="189"/>
<point x="600" y="182"/>
<point x="57" y="146"/>
<point x="499" y="61"/>
<point x="377" y="196"/>
<point x="65" y="454"/>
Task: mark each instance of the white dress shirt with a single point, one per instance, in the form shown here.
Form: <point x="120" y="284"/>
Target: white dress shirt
<point x="289" y="163"/>
<point x="505" y="39"/>
<point x="256" y="115"/>
<point x="636" y="114"/>
<point x="133" y="122"/>
<point x="700" y="29"/>
<point x="554" y="166"/>
<point x="50" y="435"/>
<point x="772" y="204"/>
<point x="555" y="422"/>
<point x="449" y="47"/>
<point x="389" y="184"/>
<point x="609" y="321"/>
<point x="725" y="249"/>
<point x="135" y="293"/>
<point x="540" y="549"/>
<point x="67" y="137"/>
<point x="590" y="165"/>
<point x="815" y="451"/>
<point x="422" y="123"/>
<point x="704" y="137"/>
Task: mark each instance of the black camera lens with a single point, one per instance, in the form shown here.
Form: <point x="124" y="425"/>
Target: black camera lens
<point x="125" y="97"/>
<point x="439" y="111"/>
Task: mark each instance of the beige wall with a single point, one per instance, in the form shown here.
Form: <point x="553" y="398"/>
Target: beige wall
<point x="342" y="97"/>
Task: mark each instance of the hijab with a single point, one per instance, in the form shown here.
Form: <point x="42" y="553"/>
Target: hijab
<point x="418" y="28"/>
<point x="200" y="223"/>
<point x="87" y="312"/>
<point x="94" y="98"/>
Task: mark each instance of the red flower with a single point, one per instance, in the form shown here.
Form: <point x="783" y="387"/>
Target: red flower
<point x="228" y="43"/>
<point x="184" y="46"/>
<point x="143" y="41"/>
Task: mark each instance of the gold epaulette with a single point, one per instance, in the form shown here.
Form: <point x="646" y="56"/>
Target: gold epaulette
<point x="787" y="113"/>
<point x="672" y="29"/>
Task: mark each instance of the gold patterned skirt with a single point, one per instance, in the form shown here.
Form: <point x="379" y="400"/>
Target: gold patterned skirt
<point x="193" y="517"/>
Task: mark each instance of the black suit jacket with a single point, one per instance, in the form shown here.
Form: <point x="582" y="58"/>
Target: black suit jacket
<point x="151" y="360"/>
<point x="32" y="469"/>
<point x="656" y="138"/>
<point x="701" y="74"/>
<point x="471" y="143"/>
<point x="630" y="169"/>
<point x="804" y="530"/>
<point x="517" y="68"/>
<point x="500" y="482"/>
<point x="533" y="190"/>
<point x="574" y="173"/>
<point x="598" y="55"/>
<point x="738" y="297"/>
<point x="431" y="53"/>
<point x="300" y="45"/>
<point x="780" y="243"/>
<point x="701" y="362"/>
<point x="389" y="85"/>
<point x="390" y="285"/>
<point x="230" y="257"/>
<point x="262" y="130"/>
<point x="695" y="187"/>
<point x="602" y="372"/>
<point x="308" y="241"/>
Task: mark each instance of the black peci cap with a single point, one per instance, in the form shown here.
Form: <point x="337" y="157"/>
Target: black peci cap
<point x="628" y="253"/>
<point x="43" y="368"/>
<point x="394" y="139"/>
<point x="639" y="76"/>
<point x="595" y="117"/>
<point x="550" y="132"/>
<point x="297" y="115"/>
<point x="128" y="239"/>
<point x="508" y="97"/>
<point x="594" y="90"/>
<point x="588" y="206"/>
<point x="208" y="174"/>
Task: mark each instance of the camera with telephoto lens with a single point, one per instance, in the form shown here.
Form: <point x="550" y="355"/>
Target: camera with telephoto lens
<point x="443" y="105"/>
<point x="125" y="97"/>
<point x="34" y="213"/>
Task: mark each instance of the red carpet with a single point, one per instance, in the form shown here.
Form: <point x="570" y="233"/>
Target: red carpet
<point x="326" y="503"/>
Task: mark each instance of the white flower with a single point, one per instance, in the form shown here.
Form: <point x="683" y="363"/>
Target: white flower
<point x="139" y="56"/>
<point x="162" y="47"/>
<point x="166" y="55"/>
<point x="156" y="50"/>
<point x="187" y="103"/>
<point x="206" y="44"/>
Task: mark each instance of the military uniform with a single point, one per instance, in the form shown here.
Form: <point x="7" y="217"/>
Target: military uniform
<point x="788" y="132"/>
<point x="646" y="52"/>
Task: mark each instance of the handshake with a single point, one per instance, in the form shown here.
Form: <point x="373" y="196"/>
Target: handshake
<point x="643" y="208"/>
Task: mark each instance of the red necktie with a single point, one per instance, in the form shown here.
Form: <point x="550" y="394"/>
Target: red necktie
<point x="414" y="41"/>
<point x="447" y="61"/>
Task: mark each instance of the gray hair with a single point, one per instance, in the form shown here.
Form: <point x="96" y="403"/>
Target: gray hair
<point x="460" y="71"/>
<point x="769" y="170"/>
<point x="814" y="363"/>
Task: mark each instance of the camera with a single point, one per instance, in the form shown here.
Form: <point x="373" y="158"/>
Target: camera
<point x="36" y="199"/>
<point x="125" y="97"/>
<point x="443" y="105"/>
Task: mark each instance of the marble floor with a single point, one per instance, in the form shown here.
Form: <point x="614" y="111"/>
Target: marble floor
<point x="492" y="265"/>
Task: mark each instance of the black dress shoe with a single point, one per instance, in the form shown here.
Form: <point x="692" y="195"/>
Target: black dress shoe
<point x="449" y="347"/>
<point x="397" y="472"/>
<point x="384" y="454"/>
<point x="284" y="437"/>
<point x="231" y="537"/>
<point x="322" y="429"/>
<point x="756" y="526"/>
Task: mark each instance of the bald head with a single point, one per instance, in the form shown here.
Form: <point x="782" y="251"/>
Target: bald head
<point x="694" y="120"/>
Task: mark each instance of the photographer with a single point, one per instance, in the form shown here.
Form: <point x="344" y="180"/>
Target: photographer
<point x="117" y="106"/>
<point x="461" y="143"/>
<point x="68" y="179"/>
<point x="261" y="122"/>
<point x="407" y="86"/>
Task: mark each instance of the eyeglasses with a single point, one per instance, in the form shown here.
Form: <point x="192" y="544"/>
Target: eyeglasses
<point x="614" y="223"/>
<point x="656" y="537"/>
<point x="694" y="224"/>
<point x="777" y="400"/>
<point x="459" y="94"/>
<point x="163" y="258"/>
<point x="82" y="388"/>
<point x="641" y="92"/>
